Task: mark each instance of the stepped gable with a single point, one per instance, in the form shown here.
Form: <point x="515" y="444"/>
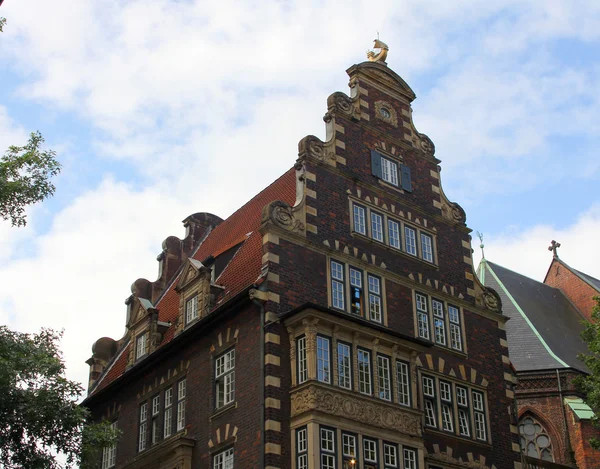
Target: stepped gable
<point x="242" y="227"/>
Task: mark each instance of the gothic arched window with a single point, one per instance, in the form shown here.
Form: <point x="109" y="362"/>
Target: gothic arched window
<point x="535" y="441"/>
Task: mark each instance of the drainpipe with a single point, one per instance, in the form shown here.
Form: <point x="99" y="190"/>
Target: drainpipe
<point x="261" y="308"/>
<point x="569" y="456"/>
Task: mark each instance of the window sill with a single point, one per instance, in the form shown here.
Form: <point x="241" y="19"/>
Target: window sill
<point x="470" y="441"/>
<point x="223" y="410"/>
<point x="358" y="235"/>
<point x="390" y="186"/>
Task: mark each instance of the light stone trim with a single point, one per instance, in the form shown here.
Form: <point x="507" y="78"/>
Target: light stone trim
<point x="339" y="128"/>
<point x="363" y="91"/>
<point x="270" y="257"/>
<point x="510" y="394"/>
<point x="271" y="317"/>
<point x="273" y="381"/>
<point x="505" y="359"/>
<point x="516" y="447"/>
<point x="434" y="174"/>
<point x="273" y="425"/>
<point x="469" y="276"/>
<point x="466" y="244"/>
<point x="311" y="193"/>
<point x="340" y="144"/>
<point x="503" y="343"/>
<point x="364" y="103"/>
<point x="435" y="189"/>
<point x="272" y="448"/>
<point x="437" y="204"/>
<point x="311" y="228"/>
<point x="270" y="238"/>
<point x="272" y="277"/>
<point x="365" y="116"/>
<point x="311" y="211"/>
<point x="272" y="403"/>
<point x="271" y="359"/>
<point x="340" y="160"/>
<point x="273" y="338"/>
<point x="310" y="176"/>
<point x="514" y="429"/>
<point x="468" y="260"/>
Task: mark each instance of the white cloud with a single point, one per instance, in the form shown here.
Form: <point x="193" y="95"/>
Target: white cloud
<point x="207" y="102"/>
<point x="524" y="249"/>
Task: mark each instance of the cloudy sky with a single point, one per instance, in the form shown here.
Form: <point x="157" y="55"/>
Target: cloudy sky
<point x="159" y="109"/>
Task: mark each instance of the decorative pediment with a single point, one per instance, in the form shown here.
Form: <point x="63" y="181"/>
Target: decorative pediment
<point x="380" y="74"/>
<point x="192" y="270"/>
<point x="138" y="309"/>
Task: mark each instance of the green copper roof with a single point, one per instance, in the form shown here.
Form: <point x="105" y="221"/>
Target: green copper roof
<point x="581" y="409"/>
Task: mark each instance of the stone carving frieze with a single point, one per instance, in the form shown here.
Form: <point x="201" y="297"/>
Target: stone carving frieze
<point x="334" y="402"/>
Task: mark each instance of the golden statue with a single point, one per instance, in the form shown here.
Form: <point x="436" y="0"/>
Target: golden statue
<point x="381" y="55"/>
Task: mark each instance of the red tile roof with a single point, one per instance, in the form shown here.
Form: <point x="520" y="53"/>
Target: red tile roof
<point x="243" y="269"/>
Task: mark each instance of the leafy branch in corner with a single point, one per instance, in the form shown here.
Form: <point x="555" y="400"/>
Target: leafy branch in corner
<point x="590" y="384"/>
<point x="25" y="174"/>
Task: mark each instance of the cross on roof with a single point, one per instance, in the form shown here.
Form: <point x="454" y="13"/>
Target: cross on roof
<point x="553" y="247"/>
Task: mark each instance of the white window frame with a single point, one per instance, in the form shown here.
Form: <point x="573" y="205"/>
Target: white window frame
<point x="344" y="359"/>
<point x="394" y="238"/>
<point x="301" y="360"/>
<point x="365" y="386"/>
<point x="410" y="458"/>
<point x="181" y="392"/>
<point x="462" y="404"/>
<point x="191" y="309"/>
<point x="377" y="226"/>
<point x="478" y="401"/>
<point x="375" y="298"/>
<point x="422" y="303"/>
<point x="327" y="438"/>
<point x="359" y="214"/>
<point x="390" y="455"/>
<point x="143" y="427"/>
<point x="168" y="413"/>
<point x="223" y="459"/>
<point x="323" y="359"/>
<point x="447" y="406"/>
<point x="439" y="322"/>
<point x="389" y="171"/>
<point x="155" y="437"/>
<point x="141" y="345"/>
<point x="385" y="378"/>
<point x="370" y="450"/>
<point x="109" y="453"/>
<point x="403" y="377"/>
<point x="225" y="379"/>
<point x="302" y="448"/>
<point x="410" y="240"/>
<point x="426" y="247"/>
<point x="456" y="341"/>
<point x="338" y="283"/>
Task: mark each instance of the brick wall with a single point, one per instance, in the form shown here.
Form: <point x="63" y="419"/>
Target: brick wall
<point x="579" y="292"/>
<point x="580" y="432"/>
<point x="195" y="361"/>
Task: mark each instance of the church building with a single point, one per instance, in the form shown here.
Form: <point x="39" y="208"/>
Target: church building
<point x="544" y="338"/>
<point x="334" y="321"/>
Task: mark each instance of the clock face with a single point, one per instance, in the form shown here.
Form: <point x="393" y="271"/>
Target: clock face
<point x="385" y="113"/>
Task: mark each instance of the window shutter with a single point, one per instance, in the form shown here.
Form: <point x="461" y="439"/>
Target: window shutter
<point x="376" y="164"/>
<point x="406" y="181"/>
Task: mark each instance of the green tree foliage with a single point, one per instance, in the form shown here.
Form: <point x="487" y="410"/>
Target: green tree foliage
<point x="39" y="414"/>
<point x="2" y="23"/>
<point x="590" y="384"/>
<point x="25" y="174"/>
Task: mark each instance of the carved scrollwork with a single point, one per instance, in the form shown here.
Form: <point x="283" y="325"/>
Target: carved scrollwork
<point x="427" y="145"/>
<point x="313" y="147"/>
<point x="334" y="402"/>
<point x="283" y="216"/>
<point x="454" y="212"/>
<point x="488" y="298"/>
<point x="339" y="101"/>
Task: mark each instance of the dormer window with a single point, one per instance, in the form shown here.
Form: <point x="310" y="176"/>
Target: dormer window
<point x="197" y="292"/>
<point x="141" y="346"/>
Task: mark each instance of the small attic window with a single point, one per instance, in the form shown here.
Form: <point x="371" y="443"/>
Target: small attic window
<point x="141" y="346"/>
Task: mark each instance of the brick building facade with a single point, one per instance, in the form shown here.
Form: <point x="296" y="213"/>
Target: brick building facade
<point x="334" y="321"/>
<point x="544" y="341"/>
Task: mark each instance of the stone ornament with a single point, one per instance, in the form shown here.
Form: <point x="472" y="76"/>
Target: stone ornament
<point x="385" y="112"/>
<point x="333" y="402"/>
<point x="313" y="147"/>
<point x="284" y="216"/>
<point x="487" y="298"/>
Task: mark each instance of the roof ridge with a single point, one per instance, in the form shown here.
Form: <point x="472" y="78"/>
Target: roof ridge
<point x="518" y="273"/>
